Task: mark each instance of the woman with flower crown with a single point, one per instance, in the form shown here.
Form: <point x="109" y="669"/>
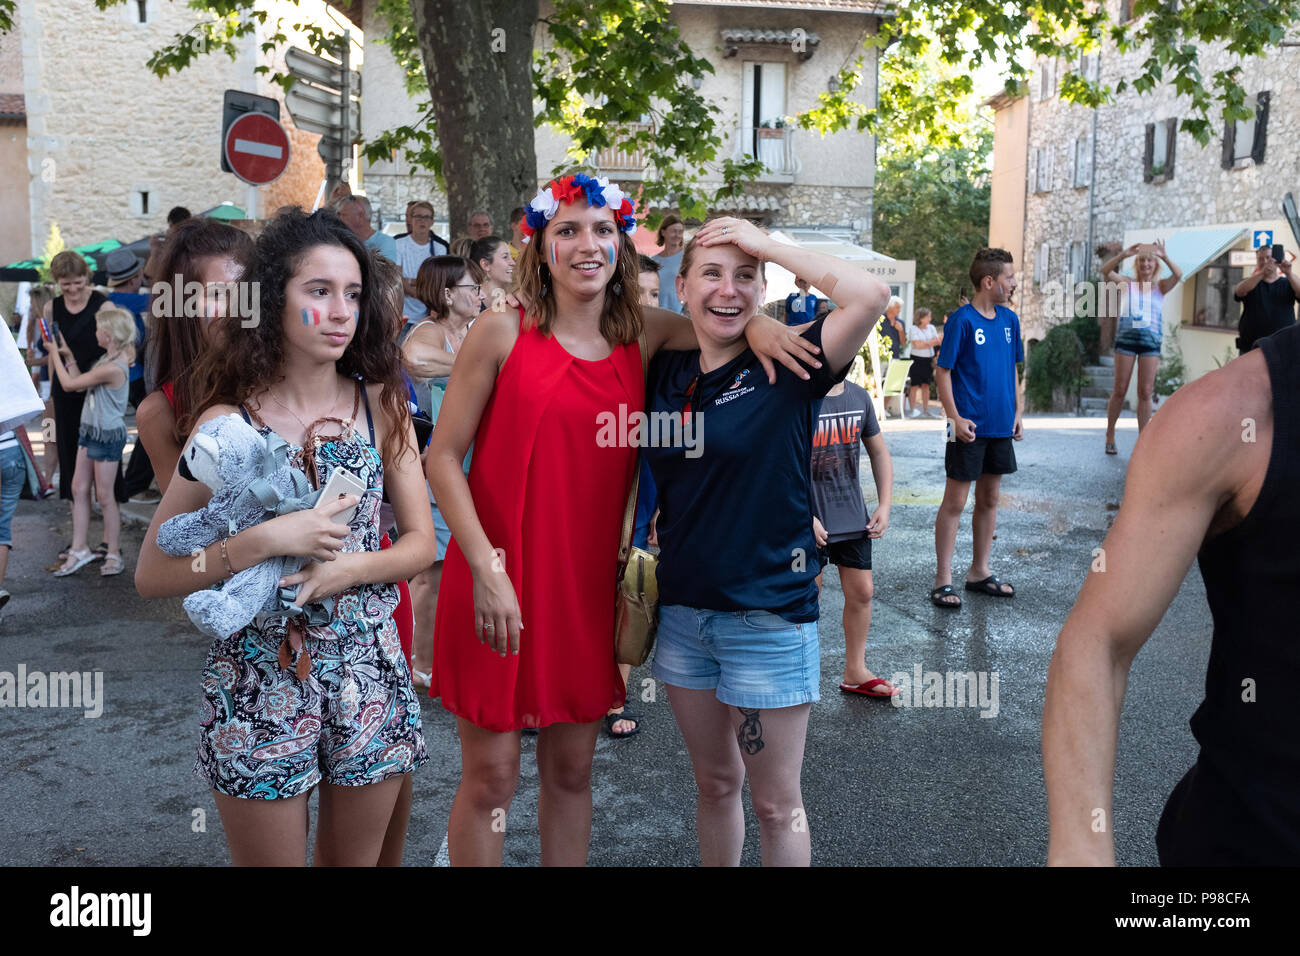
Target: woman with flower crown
<point x="525" y="623"/>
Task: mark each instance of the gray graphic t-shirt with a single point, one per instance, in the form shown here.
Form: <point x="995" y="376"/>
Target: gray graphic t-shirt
<point x="843" y="422"/>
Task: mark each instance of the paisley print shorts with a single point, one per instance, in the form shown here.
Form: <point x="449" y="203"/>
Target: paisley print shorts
<point x="267" y="735"/>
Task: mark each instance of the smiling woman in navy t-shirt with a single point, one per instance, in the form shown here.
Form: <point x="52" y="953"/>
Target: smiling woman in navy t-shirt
<point x="738" y="563"/>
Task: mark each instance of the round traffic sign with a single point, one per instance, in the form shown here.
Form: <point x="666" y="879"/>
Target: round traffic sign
<point x="257" y="148"/>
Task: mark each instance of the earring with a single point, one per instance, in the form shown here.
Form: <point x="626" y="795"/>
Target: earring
<point x="618" y="288"/>
<point x="543" y="278"/>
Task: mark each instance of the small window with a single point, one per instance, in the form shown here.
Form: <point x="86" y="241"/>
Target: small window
<point x="1082" y="161"/>
<point x="1078" y="270"/>
<point x="1041" y="262"/>
<point x="144" y="202"/>
<point x="142" y="11"/>
<point x="1125" y="11"/>
<point x="1161" y="139"/>
<point x="1088" y="64"/>
<point x="1047" y="80"/>
<point x="1043" y="179"/>
<point x="1215" y="306"/>
<point x="1246" y="139"/>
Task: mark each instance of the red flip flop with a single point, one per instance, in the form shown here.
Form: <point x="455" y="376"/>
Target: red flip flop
<point x="866" y="689"/>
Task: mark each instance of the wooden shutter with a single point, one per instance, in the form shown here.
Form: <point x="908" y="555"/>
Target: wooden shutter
<point x="1229" y="144"/>
<point x="1172" y="134"/>
<point x="1261" y="127"/>
<point x="1150" y="152"/>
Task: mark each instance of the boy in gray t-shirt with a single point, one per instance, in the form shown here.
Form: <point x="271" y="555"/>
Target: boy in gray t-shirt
<point x="840" y="524"/>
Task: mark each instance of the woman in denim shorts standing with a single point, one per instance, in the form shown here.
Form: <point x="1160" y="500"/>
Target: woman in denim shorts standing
<point x="738" y="566"/>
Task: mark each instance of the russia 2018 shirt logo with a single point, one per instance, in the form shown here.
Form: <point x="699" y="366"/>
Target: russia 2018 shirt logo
<point x="741" y="377"/>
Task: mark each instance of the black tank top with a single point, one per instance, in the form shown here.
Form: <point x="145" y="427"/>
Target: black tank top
<point x="78" y="331"/>
<point x="1240" y="803"/>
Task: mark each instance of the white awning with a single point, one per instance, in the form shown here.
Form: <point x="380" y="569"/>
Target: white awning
<point x="1193" y="249"/>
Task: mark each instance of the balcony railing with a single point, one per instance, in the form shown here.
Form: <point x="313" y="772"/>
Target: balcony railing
<point x="772" y="146"/>
<point x="615" y="160"/>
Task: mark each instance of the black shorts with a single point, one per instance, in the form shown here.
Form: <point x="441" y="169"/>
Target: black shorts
<point x="853" y="553"/>
<point x="966" y="461"/>
<point x="922" y="370"/>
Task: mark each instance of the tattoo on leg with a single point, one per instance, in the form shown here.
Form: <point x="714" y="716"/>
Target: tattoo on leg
<point x="750" y="732"/>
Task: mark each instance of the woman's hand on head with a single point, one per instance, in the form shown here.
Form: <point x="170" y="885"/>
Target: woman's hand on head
<point x="739" y="232"/>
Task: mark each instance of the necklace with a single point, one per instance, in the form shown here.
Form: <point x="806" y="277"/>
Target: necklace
<point x="347" y="422"/>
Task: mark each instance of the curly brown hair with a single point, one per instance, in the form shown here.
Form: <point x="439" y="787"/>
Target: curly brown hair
<point x="620" y="320"/>
<point x="253" y="358"/>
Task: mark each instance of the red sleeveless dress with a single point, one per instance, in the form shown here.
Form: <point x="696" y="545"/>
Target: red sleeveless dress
<point x="549" y="496"/>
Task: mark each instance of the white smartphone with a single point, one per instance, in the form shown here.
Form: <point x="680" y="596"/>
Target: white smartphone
<point x="341" y="482"/>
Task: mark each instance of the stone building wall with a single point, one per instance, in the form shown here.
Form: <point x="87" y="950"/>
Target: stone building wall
<point x="1199" y="192"/>
<point x="837" y="173"/>
<point x="102" y="128"/>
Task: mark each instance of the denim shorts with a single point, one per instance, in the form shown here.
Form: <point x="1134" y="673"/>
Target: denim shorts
<point x="102" y="450"/>
<point x="753" y="659"/>
<point x="13" y="475"/>
<point x="441" y="533"/>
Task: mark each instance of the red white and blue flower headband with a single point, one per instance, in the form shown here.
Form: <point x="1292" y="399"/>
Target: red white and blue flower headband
<point x="598" y="192"/>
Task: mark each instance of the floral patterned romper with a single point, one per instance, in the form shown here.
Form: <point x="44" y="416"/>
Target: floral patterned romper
<point x="355" y="720"/>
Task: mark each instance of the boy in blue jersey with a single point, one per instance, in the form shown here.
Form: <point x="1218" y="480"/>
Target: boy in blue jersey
<point x="976" y="375"/>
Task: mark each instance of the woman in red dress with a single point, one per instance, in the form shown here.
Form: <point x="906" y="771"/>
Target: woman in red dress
<point x="525" y="622"/>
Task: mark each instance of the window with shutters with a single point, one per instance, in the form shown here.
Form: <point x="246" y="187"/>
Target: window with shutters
<point x="1161" y="140"/>
<point x="1047" y="80"/>
<point x="1041" y="262"/>
<point x="1079" y="262"/>
<point x="1088" y="63"/>
<point x="1245" y="140"/>
<point x="1082" y="161"/>
<point x="1043" y="174"/>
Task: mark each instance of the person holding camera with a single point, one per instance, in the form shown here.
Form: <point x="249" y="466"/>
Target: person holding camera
<point x="1267" y="296"/>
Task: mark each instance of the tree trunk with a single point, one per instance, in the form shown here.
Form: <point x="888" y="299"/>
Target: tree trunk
<point x="478" y="60"/>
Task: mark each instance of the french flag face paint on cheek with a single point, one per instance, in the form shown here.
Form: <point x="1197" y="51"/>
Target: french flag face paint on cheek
<point x="610" y="254"/>
<point x="310" y="317"/>
<point x="552" y="253"/>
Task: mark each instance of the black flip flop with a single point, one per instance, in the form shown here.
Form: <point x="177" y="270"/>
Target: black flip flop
<point x="990" y="586"/>
<point x="612" y="719"/>
<point x="943" y="592"/>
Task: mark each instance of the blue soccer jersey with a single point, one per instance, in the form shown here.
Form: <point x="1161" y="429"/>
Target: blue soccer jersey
<point x="982" y="354"/>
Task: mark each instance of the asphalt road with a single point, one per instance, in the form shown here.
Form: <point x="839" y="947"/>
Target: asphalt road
<point x="882" y="784"/>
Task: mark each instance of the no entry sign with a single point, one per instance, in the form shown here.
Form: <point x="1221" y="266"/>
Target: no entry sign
<point x="257" y="148"/>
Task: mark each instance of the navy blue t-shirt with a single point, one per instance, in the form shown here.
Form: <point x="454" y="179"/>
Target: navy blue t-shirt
<point x="735" y="520"/>
<point x="982" y="354"/>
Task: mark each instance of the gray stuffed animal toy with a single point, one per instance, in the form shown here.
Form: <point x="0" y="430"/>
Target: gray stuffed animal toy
<point x="251" y="480"/>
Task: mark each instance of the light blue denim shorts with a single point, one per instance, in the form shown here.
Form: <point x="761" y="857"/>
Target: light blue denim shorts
<point x="753" y="659"/>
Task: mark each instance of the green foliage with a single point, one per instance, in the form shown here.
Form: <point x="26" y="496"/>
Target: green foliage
<point x="966" y="35"/>
<point x="1087" y="328"/>
<point x="1171" y="373"/>
<point x="932" y="205"/>
<point x="612" y="68"/>
<point x="54" y="244"/>
<point x="1055" y="366"/>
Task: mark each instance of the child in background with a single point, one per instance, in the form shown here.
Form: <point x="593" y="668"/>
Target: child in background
<point x="976" y="373"/>
<point x="840" y="518"/>
<point x="103" y="433"/>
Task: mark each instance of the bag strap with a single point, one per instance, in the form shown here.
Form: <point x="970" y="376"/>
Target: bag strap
<point x="629" y="513"/>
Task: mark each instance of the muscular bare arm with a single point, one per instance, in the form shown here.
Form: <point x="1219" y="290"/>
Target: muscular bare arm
<point x="1191" y="473"/>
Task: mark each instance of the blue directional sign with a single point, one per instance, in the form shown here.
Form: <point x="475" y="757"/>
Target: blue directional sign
<point x="1263" y="237"/>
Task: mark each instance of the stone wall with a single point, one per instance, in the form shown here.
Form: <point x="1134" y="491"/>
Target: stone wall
<point x="1200" y="192"/>
<point x="99" y="135"/>
<point x="833" y="186"/>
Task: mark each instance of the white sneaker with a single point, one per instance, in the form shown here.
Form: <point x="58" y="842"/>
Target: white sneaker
<point x="916" y="413"/>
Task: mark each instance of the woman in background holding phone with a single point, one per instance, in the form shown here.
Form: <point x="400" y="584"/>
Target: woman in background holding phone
<point x="322" y="371"/>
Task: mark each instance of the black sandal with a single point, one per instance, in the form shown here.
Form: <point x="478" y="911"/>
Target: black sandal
<point x="990" y="586"/>
<point x="612" y="719"/>
<point x="938" y="594"/>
